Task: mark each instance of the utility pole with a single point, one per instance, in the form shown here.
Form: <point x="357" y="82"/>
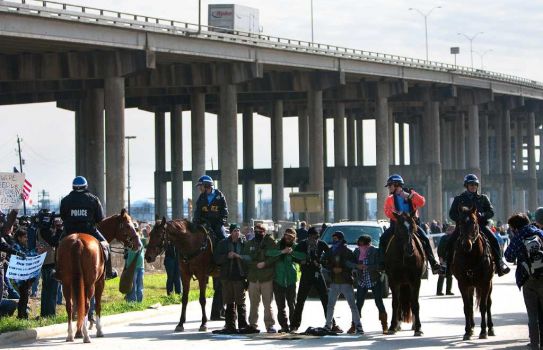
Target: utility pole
<point x="21" y="168"/>
<point x="128" y="138"/>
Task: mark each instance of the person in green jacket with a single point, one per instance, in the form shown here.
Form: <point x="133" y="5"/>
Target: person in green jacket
<point x="260" y="276"/>
<point x="284" y="282"/>
<point x="136" y="294"/>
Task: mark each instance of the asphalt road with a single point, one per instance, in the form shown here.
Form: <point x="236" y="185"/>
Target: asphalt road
<point x="442" y="322"/>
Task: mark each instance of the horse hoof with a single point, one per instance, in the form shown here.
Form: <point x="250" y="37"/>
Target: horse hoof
<point x="179" y="329"/>
<point x="202" y="329"/>
<point x="99" y="334"/>
<point x="391" y="332"/>
<point x="467" y="336"/>
<point x="86" y="340"/>
<point x="491" y="332"/>
<point x="419" y="333"/>
<point x="483" y="336"/>
<point x="78" y="335"/>
<point x="69" y="339"/>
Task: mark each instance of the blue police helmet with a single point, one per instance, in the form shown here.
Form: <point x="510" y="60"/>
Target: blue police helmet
<point x="394" y="179"/>
<point x="471" y="179"/>
<point x="205" y="180"/>
<point x="80" y="183"/>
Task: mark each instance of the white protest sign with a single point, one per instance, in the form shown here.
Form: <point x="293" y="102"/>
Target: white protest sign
<point x="11" y="187"/>
<point x="24" y="269"/>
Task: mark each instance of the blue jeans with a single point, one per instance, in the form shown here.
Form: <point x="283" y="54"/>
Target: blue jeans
<point x="59" y="294"/>
<point x="49" y="289"/>
<point x="136" y="294"/>
<point x="173" y="279"/>
<point x="377" y="290"/>
<point x="34" y="291"/>
<point x="347" y="290"/>
<point x="91" y="308"/>
<point x="12" y="293"/>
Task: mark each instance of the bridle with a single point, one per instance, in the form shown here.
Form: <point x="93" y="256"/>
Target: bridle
<point x="468" y="239"/>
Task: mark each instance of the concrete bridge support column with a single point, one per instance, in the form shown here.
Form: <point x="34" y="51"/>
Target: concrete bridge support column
<point x="507" y="193"/>
<point x="228" y="148"/>
<point x="176" y="122"/>
<point x="474" y="164"/>
<point x="392" y="142"/>
<point x="340" y="180"/>
<point x="316" y="156"/>
<point x="360" y="142"/>
<point x="114" y="125"/>
<point x="382" y="146"/>
<point x="483" y="143"/>
<point x="518" y="145"/>
<point x="277" y="168"/>
<point x="433" y="159"/>
<point x="415" y="143"/>
<point x="532" y="173"/>
<point x="401" y="140"/>
<point x="446" y="143"/>
<point x="303" y="138"/>
<point x="248" y="164"/>
<point x="197" y="121"/>
<point x="161" y="195"/>
<point x="362" y="206"/>
<point x="92" y="112"/>
<point x="80" y="141"/>
<point x="460" y="139"/>
<point x="352" y="191"/>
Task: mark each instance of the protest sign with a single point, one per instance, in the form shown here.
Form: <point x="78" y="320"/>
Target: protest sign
<point x="24" y="269"/>
<point x="11" y="187"/>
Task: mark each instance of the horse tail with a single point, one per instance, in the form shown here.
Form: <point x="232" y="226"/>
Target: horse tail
<point x="405" y="303"/>
<point x="78" y="291"/>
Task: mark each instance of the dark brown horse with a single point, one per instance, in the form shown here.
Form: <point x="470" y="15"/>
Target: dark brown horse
<point x="81" y="267"/>
<point x="404" y="264"/>
<point x="473" y="268"/>
<point x="195" y="253"/>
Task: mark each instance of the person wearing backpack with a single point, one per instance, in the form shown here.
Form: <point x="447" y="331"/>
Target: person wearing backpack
<point x="526" y="248"/>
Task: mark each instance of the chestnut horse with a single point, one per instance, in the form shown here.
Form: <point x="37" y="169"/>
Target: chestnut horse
<point x="81" y="267"/>
<point x="195" y="252"/>
<point x="473" y="268"/>
<point x="404" y="264"/>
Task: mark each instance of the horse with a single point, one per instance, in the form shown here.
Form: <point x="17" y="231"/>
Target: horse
<point x="473" y="268"/>
<point x="81" y="269"/>
<point x="195" y="252"/>
<point x="404" y="264"/>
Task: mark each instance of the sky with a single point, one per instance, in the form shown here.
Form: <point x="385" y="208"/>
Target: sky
<point x="511" y="38"/>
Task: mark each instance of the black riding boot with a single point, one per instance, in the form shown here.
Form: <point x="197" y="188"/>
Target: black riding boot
<point x="110" y="271"/>
<point x="242" y="316"/>
<point x="230" y="320"/>
<point x="501" y="268"/>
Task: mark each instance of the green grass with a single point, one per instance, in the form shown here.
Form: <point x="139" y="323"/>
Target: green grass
<point x="112" y="303"/>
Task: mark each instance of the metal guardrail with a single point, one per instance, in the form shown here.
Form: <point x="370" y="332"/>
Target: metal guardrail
<point x="120" y="19"/>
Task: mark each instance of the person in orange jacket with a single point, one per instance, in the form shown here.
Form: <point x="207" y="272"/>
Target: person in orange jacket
<point x="402" y="201"/>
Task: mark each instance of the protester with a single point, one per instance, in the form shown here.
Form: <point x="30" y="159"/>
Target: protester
<point x="442" y="255"/>
<point x="23" y="286"/>
<point x="284" y="283"/>
<point x="301" y="233"/>
<point x="136" y="294"/>
<point x="171" y="264"/>
<point x="46" y="235"/>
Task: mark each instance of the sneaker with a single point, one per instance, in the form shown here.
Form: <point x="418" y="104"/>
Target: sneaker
<point x="359" y="331"/>
<point x="293" y="329"/>
<point x="335" y="328"/>
<point x="352" y="330"/>
<point x="226" y="330"/>
<point x="271" y="330"/>
<point x="249" y="330"/>
<point x="439" y="293"/>
<point x="284" y="330"/>
<point x="449" y="293"/>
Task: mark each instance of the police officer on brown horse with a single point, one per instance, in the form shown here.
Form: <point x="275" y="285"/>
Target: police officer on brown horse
<point x="472" y="198"/>
<point x="211" y="210"/>
<point x="80" y="211"/>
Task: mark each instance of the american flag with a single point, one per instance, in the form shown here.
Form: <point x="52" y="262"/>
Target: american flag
<point x="27" y="186"/>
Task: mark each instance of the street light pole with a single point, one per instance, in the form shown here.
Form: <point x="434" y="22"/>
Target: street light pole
<point x="312" y="38"/>
<point x="425" y="15"/>
<point x="128" y="138"/>
<point x="482" y="55"/>
<point x="471" y="38"/>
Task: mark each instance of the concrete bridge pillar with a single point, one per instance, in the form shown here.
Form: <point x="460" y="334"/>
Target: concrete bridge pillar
<point x="197" y="121"/>
<point x="460" y="140"/>
<point x="161" y="195"/>
<point x="392" y="139"/>
<point x="92" y="130"/>
<point x="359" y="142"/>
<point x="303" y="138"/>
<point x="382" y="140"/>
<point x="316" y="144"/>
<point x="228" y="148"/>
<point x="446" y="144"/>
<point x="340" y="180"/>
<point x="433" y="160"/>
<point x="474" y="163"/>
<point x="483" y="143"/>
<point x="277" y="168"/>
<point x="80" y="141"/>
<point x="401" y="140"/>
<point x="518" y="145"/>
<point x="114" y="125"/>
<point x="248" y="164"/>
<point x="532" y="173"/>
<point x="352" y="191"/>
<point x="176" y="122"/>
<point x="507" y="193"/>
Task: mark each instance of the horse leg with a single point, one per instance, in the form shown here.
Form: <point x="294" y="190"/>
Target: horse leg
<point x="98" y="306"/>
<point x="466" y="298"/>
<point x="185" y="280"/>
<point x="489" y="313"/>
<point x="395" y="309"/>
<point x="415" y="307"/>
<point x="67" y="290"/>
<point x="202" y="283"/>
<point x="483" y="295"/>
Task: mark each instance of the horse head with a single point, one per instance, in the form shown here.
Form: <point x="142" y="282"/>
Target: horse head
<point x="121" y="228"/>
<point x="469" y="227"/>
<point x="157" y="241"/>
<point x="404" y="230"/>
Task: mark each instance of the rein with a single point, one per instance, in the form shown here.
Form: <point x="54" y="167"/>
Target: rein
<point x="203" y="247"/>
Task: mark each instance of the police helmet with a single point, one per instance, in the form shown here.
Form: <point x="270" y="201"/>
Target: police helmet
<point x="80" y="183"/>
<point x="394" y="179"/>
<point x="205" y="180"/>
<point x="471" y="179"/>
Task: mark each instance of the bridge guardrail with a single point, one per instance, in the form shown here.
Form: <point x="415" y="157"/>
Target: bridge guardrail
<point x="121" y="19"/>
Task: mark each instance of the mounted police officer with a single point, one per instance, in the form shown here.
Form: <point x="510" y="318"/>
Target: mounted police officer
<point x="80" y="211"/>
<point x="401" y="201"/>
<point x="211" y="210"/>
<point x="469" y="198"/>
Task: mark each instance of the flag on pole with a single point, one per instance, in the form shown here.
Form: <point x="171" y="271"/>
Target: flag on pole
<point x="27" y="188"/>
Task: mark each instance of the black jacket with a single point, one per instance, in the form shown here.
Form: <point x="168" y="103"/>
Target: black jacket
<point x="314" y="255"/>
<point x="468" y="199"/>
<point x="81" y="211"/>
<point x="215" y="214"/>
<point x="231" y="269"/>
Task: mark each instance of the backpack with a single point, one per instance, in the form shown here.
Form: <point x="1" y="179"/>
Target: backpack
<point x="534" y="253"/>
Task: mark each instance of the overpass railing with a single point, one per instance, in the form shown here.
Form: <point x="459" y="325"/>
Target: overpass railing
<point x="121" y="19"/>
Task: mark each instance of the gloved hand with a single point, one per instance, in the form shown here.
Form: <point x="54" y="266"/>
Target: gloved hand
<point x="21" y="255"/>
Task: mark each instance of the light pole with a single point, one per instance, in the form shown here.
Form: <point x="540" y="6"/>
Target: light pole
<point x="425" y="15"/>
<point x="128" y="138"/>
<point x="482" y="55"/>
<point x="312" y="22"/>
<point x="471" y="38"/>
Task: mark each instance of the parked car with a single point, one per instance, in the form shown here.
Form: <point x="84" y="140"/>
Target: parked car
<point x="354" y="229"/>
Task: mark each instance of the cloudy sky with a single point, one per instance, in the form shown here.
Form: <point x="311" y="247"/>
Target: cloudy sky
<point x="511" y="30"/>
